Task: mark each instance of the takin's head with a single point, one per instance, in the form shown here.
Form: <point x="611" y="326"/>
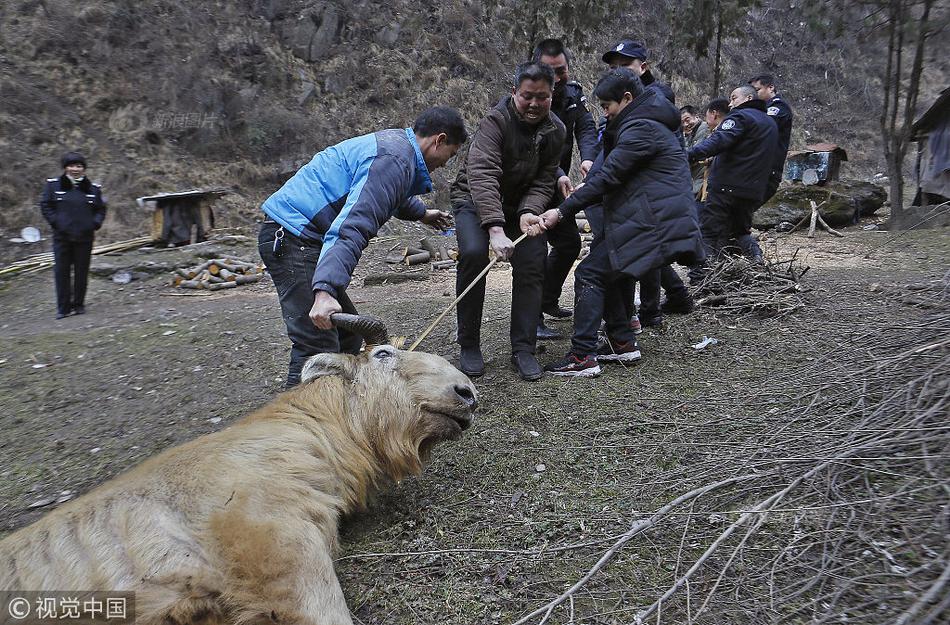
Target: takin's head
<point x="400" y="403"/>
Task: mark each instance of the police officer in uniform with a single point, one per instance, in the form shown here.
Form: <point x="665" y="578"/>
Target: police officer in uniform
<point x="75" y="209"/>
<point x="781" y="114"/>
<point x="569" y="104"/>
<point x="744" y="145"/>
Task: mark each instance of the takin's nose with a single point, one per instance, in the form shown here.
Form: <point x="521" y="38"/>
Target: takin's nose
<point x="467" y="395"/>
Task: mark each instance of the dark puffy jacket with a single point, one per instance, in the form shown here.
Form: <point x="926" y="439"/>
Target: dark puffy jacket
<point x="744" y="144"/>
<point x="644" y="183"/>
<point x="511" y="165"/>
<point x="74" y="211"/>
<point x="570" y="106"/>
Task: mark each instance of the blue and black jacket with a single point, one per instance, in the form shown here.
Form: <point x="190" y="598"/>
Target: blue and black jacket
<point x="344" y="195"/>
<point x="75" y="211"/>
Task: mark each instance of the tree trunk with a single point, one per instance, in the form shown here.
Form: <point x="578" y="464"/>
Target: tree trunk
<point x="717" y="73"/>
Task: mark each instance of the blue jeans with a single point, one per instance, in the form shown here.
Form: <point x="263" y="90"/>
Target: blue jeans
<point x="600" y="293"/>
<point x="291" y="266"/>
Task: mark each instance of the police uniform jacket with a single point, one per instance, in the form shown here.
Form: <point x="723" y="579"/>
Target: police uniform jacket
<point x="744" y="145"/>
<point x="782" y="114"/>
<point x="75" y="211"/>
<point x="570" y="106"/>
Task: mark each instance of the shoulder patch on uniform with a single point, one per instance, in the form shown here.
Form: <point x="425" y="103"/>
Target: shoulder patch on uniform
<point x="583" y="98"/>
<point x="52" y="179"/>
<point x="96" y="184"/>
<point x="773" y="110"/>
<point x="728" y="124"/>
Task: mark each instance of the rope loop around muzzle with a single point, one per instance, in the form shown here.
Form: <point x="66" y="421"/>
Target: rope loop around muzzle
<point x="372" y="329"/>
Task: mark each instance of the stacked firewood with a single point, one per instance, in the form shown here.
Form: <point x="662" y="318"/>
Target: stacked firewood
<point x="433" y="250"/>
<point x="218" y="273"/>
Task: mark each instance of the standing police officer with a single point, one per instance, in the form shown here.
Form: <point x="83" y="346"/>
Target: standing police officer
<point x="744" y="145"/>
<point x="781" y="114"/>
<point x="569" y="104"/>
<point x="74" y="208"/>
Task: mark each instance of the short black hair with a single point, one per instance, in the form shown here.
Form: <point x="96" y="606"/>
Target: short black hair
<point x="550" y="47"/>
<point x="719" y="105"/>
<point x="766" y="80"/>
<point x="748" y="90"/>
<point x="689" y="109"/>
<point x="616" y="82"/>
<point x="438" y="119"/>
<point x="533" y="71"/>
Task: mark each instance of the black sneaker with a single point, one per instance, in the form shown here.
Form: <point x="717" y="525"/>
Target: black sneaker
<point x="576" y="367"/>
<point x="79" y="310"/>
<point x="678" y="306"/>
<point x="651" y="322"/>
<point x="471" y="362"/>
<point x="547" y="334"/>
<point x="557" y="312"/>
<point x="610" y="351"/>
<point x="527" y="366"/>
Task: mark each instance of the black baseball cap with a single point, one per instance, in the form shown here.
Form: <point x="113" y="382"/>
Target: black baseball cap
<point x="629" y="48"/>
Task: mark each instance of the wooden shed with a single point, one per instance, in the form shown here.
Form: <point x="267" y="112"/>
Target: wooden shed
<point x="183" y="217"/>
<point x="932" y="134"/>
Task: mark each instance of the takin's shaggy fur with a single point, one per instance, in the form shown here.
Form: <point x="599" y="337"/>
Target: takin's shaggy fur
<point x="240" y="526"/>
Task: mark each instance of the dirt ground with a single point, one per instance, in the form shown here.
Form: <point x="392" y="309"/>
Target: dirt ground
<point x="546" y="464"/>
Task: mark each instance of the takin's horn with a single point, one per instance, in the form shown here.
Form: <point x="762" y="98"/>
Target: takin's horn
<point x="372" y="329"/>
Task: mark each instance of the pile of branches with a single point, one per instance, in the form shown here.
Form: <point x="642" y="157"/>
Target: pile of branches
<point x="217" y="274"/>
<point x="841" y="514"/>
<point x="767" y="289"/>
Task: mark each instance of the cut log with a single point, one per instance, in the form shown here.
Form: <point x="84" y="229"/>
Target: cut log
<point x="221" y="285"/>
<point x="814" y="220"/>
<point x="229" y="276"/>
<point x="247" y="279"/>
<point x="418" y="258"/>
<point x="443" y="264"/>
<point x="191" y="284"/>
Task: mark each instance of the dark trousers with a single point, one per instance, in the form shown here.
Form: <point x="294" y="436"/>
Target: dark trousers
<point x="71" y="258"/>
<point x="650" y="284"/>
<point x="600" y="293"/>
<point x="291" y="266"/>
<point x="527" y="275"/>
<point x="725" y="218"/>
<point x="565" y="242"/>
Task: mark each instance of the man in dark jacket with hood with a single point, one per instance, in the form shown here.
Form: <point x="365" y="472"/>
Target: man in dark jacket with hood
<point x="744" y="145"/>
<point x="649" y="218"/>
<point x="506" y="181"/>
<point x="74" y="207"/>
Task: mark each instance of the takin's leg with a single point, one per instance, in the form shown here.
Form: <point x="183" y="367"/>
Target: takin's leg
<point x="278" y="572"/>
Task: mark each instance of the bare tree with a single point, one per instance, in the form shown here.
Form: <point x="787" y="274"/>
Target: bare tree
<point x="908" y="26"/>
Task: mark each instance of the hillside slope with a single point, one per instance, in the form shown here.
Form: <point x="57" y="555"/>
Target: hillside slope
<point x="166" y="95"/>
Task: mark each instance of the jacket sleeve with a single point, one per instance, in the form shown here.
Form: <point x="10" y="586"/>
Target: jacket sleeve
<point x="48" y="205"/>
<point x="413" y="209"/>
<point x="99" y="212"/>
<point x="585" y="131"/>
<point x="484" y="172"/>
<point x="377" y="189"/>
<point x="636" y="145"/>
<point x="701" y="134"/>
<point x="721" y="139"/>
<point x="536" y="198"/>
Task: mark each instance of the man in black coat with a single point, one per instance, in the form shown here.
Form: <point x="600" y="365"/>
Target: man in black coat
<point x="74" y="208"/>
<point x="634" y="55"/>
<point x="649" y="219"/>
<point x="569" y="104"/>
<point x="744" y="145"/>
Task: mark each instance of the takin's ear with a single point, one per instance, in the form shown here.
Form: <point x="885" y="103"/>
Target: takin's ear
<point x="321" y="365"/>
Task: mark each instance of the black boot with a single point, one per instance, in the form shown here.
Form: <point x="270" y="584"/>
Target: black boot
<point x="547" y="334"/>
<point x="527" y="366"/>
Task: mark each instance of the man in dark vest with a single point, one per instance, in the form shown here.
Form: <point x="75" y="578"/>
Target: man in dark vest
<point x="569" y="104"/>
<point x="506" y="179"/>
<point x="744" y="145"/>
<point x="74" y="207"/>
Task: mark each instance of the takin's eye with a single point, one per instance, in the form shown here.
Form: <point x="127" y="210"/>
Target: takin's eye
<point x="384" y="353"/>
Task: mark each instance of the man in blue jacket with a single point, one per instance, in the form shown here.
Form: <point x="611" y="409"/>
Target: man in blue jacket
<point x="317" y="225"/>
<point x="744" y="145"/>
<point x="74" y="207"/>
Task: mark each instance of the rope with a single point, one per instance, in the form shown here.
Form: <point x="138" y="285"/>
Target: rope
<point x="459" y="298"/>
